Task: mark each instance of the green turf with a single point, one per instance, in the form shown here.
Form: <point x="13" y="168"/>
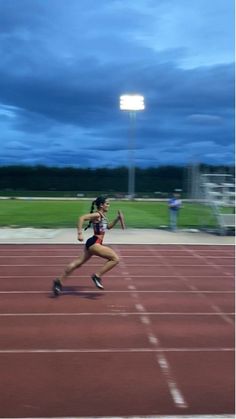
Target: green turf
<point x="138" y="214"/>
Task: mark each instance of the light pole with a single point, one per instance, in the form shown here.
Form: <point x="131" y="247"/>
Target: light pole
<point x="132" y="103"/>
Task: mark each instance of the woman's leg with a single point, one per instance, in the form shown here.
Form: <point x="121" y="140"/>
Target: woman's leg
<point x="106" y="253"/>
<point x="75" y="264"/>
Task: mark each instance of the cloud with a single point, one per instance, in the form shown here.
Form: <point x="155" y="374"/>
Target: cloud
<point x="203" y="119"/>
<point x="64" y="67"/>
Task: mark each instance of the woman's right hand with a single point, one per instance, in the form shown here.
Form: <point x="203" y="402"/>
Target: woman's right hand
<point x="80" y="236"/>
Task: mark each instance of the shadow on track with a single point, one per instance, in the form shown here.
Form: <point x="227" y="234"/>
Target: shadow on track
<point x="82" y="292"/>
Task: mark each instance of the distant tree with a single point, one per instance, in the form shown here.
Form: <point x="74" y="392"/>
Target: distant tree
<point x="43" y="178"/>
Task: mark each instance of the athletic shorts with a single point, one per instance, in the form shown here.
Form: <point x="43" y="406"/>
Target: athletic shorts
<point x="92" y="240"/>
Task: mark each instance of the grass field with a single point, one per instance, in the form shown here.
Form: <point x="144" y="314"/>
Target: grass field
<point x="138" y="214"/>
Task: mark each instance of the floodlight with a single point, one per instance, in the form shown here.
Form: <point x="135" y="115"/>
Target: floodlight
<point x="132" y="103"/>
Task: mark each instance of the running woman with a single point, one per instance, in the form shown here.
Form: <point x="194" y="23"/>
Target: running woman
<point x="94" y="245"/>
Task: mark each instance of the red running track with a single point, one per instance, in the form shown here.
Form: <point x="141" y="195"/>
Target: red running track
<point x="159" y="340"/>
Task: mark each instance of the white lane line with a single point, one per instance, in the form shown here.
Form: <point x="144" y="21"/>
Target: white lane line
<point x="125" y="313"/>
<point x="175" y="392"/>
<point x="155" y="265"/>
<point x="145" y="320"/>
<point x="164" y="366"/>
<point x="123" y="256"/>
<point x="139" y="307"/>
<point x="195" y="289"/>
<point x="130" y="288"/>
<point x="222" y="314"/>
<point x="118" y="276"/>
<point x="6" y="247"/>
<point x="223" y="416"/>
<point x="153" y="339"/>
<point x="215" y="307"/>
<point x="162" y="361"/>
<point x="207" y="262"/>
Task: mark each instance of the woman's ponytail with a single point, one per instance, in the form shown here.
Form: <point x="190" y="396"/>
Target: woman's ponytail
<point x="98" y="202"/>
<point x="91" y="211"/>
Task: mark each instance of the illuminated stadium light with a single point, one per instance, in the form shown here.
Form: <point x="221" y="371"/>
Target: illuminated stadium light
<point x="132" y="103"/>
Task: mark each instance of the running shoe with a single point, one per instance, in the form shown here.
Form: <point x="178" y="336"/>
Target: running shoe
<point x="57" y="288"/>
<point x="97" y="281"/>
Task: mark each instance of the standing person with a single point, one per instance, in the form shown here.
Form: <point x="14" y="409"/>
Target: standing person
<point x="174" y="207"/>
<point x="94" y="245"/>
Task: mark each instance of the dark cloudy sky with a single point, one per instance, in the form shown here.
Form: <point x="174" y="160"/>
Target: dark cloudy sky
<point x="64" y="64"/>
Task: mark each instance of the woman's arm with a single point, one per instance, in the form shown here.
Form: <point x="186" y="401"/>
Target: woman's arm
<point x="113" y="223"/>
<point x="86" y="217"/>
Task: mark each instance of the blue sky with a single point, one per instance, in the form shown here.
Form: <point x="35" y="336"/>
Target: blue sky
<point x="64" y="64"/>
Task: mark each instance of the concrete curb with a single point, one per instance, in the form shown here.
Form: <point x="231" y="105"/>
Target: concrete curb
<point x="128" y="236"/>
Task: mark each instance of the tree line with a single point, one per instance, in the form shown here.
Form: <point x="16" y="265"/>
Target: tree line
<point x="150" y="180"/>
